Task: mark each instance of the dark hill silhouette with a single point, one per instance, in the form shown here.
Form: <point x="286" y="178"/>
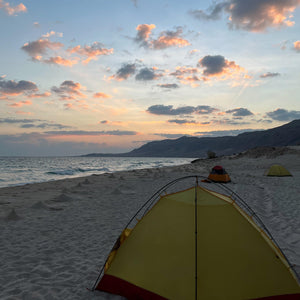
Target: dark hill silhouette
<point x="285" y="135"/>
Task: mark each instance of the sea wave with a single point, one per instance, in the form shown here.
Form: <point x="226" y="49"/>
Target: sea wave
<point x="23" y="170"/>
<point x="76" y="171"/>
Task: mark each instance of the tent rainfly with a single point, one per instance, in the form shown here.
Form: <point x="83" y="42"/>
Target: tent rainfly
<point x="197" y="244"/>
<point x="277" y="170"/>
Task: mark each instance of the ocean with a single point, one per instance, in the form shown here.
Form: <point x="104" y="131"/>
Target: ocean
<point x="22" y="170"/>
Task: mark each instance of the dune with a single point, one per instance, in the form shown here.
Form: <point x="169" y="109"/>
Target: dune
<point x="55" y="236"/>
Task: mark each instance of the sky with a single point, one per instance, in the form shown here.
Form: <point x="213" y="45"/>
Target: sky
<point x="80" y="77"/>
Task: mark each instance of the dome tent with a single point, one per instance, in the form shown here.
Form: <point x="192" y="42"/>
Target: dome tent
<point x="219" y="174"/>
<point x="195" y="243"/>
<point x="277" y="170"/>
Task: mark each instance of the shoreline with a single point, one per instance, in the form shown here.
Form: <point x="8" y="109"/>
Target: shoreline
<point x="56" y="234"/>
<point x="21" y="171"/>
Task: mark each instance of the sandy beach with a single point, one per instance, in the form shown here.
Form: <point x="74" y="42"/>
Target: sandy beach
<point x="55" y="236"/>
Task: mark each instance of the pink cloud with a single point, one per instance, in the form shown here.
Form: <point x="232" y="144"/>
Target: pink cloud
<point x="91" y="52"/>
<point x="69" y="90"/>
<point x="44" y="95"/>
<point x="101" y="95"/>
<point x="12" y="10"/>
<point x="20" y="104"/>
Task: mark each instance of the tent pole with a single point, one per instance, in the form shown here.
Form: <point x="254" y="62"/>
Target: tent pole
<point x="196" y="243"/>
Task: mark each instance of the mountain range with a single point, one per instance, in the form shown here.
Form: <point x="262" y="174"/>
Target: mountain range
<point x="285" y="135"/>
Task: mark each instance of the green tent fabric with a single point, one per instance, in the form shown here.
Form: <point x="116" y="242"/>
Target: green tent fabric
<point x="235" y="258"/>
<point x="277" y="170"/>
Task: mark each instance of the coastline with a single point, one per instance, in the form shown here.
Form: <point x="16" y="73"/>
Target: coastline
<point x="57" y="234"/>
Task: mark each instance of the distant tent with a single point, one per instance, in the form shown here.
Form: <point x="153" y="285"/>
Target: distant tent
<point x="218" y="174"/>
<point x="277" y="170"/>
<point x="197" y="244"/>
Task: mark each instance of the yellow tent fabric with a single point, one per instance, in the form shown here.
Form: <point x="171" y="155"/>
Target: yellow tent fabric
<point x="278" y="170"/>
<point x="236" y="260"/>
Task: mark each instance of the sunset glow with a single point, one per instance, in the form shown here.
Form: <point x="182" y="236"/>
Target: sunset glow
<point x="110" y="76"/>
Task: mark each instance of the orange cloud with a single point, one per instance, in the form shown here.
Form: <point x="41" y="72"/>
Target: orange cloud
<point x="169" y="41"/>
<point x="58" y="60"/>
<point x="144" y="31"/>
<point x="255" y="16"/>
<point x="297" y="46"/>
<point x="91" y="52"/>
<point x="12" y="10"/>
<point x="182" y="71"/>
<point x="101" y="95"/>
<point x="166" y="39"/>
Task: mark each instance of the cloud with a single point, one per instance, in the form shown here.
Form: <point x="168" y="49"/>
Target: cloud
<point x="33" y="123"/>
<point x="68" y="90"/>
<point x="101" y="95"/>
<point x="146" y="74"/>
<point x="171" y="135"/>
<point x="217" y="65"/>
<point x="217" y="133"/>
<point x="165" y="39"/>
<point x="187" y="75"/>
<point x="16" y="121"/>
<point x="52" y="33"/>
<point x="20" y="104"/>
<point x="182" y="122"/>
<point x="124" y="72"/>
<point x="170" y="39"/>
<point x="239" y="112"/>
<point x="213" y="12"/>
<point x="184" y="110"/>
<point x="281" y="114"/>
<point x="43" y="95"/>
<point x="143" y="33"/>
<point x="15" y="88"/>
<point x="182" y="71"/>
<point x="269" y="74"/>
<point x="12" y="10"/>
<point x="91" y="52"/>
<point x="252" y="15"/>
<point x="40" y="47"/>
<point x="297" y="46"/>
<point x="169" y="86"/>
<point x="96" y="133"/>
<point x="58" y="60"/>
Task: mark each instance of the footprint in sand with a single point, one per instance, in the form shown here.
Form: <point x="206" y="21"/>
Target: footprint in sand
<point x="12" y="216"/>
<point x="62" y="198"/>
